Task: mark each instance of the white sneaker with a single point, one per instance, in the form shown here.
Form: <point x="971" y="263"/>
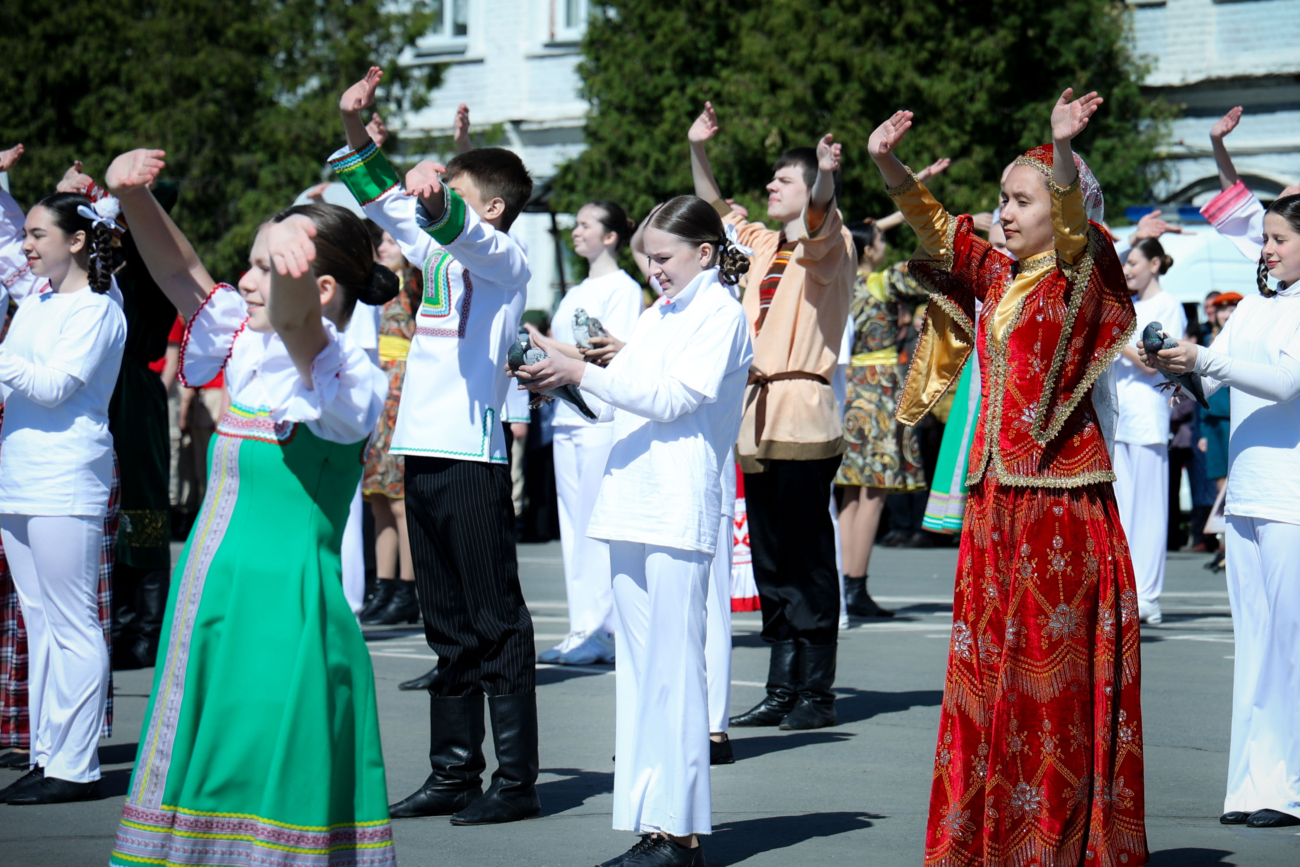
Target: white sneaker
<point x="595" y="647"/>
<point x="573" y="639"/>
<point x="1149" y="612"/>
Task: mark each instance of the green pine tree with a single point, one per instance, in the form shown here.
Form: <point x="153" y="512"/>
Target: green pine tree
<point x="981" y="78"/>
<point x="243" y="96"/>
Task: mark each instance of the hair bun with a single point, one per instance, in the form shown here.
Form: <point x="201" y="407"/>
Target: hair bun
<point x="1166" y="262"/>
<point x="382" y="288"/>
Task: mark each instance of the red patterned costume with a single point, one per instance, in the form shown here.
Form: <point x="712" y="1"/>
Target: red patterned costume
<point x="1039" y="760"/>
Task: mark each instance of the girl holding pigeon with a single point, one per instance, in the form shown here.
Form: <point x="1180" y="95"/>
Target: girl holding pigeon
<point x="582" y="446"/>
<point x="674" y="394"/>
<point x="1257" y="355"/>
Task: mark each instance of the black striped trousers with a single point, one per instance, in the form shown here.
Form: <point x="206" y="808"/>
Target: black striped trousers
<point x="461" y="523"/>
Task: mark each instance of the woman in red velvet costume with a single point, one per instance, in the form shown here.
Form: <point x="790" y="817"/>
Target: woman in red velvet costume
<point x="1039" y="759"/>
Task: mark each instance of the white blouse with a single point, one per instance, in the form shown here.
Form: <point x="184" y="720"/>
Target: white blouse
<point x="59" y="366"/>
<point x="267" y="394"/>
<point x="675" y="394"/>
<point x="1258" y="354"/>
<point x="1143" y="407"/>
<point x="615" y="300"/>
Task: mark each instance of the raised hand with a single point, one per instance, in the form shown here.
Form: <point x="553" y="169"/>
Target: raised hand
<point x="1226" y="124"/>
<point x="1070" y="116"/>
<point x="74" y="180"/>
<point x="887" y="136"/>
<point x="289" y="243"/>
<point x="425" y="180"/>
<point x="10" y="158"/>
<point x="935" y="168"/>
<point x="460" y="129"/>
<point x="134" y="170"/>
<point x="377" y="130"/>
<point x="362" y="94"/>
<point x="828" y="154"/>
<point x="705" y="126"/>
<point x="1151" y="226"/>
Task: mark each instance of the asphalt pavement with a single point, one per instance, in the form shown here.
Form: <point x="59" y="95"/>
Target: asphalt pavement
<point x="853" y="794"/>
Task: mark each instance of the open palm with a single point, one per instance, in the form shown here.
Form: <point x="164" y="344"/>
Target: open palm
<point x="1070" y="116"/>
<point x="362" y="94"/>
<point x="1226" y="124"/>
<point x="888" y="135"/>
<point x="9" y="158"/>
<point x="134" y="169"/>
<point x="705" y="126"/>
<point x="425" y="180"/>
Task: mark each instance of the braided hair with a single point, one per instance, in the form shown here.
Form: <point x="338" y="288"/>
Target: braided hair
<point x="1288" y="208"/>
<point x="694" y="220"/>
<point x="105" y="257"/>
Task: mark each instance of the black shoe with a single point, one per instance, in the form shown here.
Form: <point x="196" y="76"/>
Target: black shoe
<point x="512" y="796"/>
<point x="780" y="698"/>
<point x="401" y="608"/>
<point x="1258" y="819"/>
<point x="858" y="602"/>
<point x="920" y="539"/>
<point x="720" y="751"/>
<point x="816" y="706"/>
<point x="894" y="539"/>
<point x="1234" y="817"/>
<point x="456" y="756"/>
<point x="16" y="760"/>
<point x="52" y="790"/>
<point x="383" y="595"/>
<point x="654" y="851"/>
<point x="424" y="681"/>
<point x="31" y="778"/>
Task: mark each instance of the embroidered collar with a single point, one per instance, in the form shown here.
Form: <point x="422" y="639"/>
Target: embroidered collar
<point x="1035" y="264"/>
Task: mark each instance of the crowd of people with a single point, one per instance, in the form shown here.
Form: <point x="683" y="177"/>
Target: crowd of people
<point x="731" y="445"/>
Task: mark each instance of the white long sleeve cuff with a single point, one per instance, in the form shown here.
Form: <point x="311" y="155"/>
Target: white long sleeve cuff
<point x="1276" y="382"/>
<point x="661" y="400"/>
<point x="46" y="386"/>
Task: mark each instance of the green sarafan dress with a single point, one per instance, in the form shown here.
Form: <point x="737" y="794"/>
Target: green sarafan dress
<point x="261" y="740"/>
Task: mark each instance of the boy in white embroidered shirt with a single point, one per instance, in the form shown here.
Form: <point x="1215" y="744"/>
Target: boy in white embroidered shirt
<point x="453" y="223"/>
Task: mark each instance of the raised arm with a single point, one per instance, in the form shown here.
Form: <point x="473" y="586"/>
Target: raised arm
<point x="443" y="215"/>
<point x="170" y="257"/>
<point x="923" y="213"/>
<point x="1069" y="219"/>
<point x="355" y="99"/>
<point x="822" y="196"/>
<point x="704" y="128"/>
<point x="1221" y="129"/>
<point x="294" y="306"/>
<point x="460" y="130"/>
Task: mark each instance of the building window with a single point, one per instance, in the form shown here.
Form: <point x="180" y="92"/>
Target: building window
<point x="450" y="29"/>
<point x="568" y="19"/>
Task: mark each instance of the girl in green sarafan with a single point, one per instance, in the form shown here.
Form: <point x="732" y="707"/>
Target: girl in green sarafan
<point x="261" y="738"/>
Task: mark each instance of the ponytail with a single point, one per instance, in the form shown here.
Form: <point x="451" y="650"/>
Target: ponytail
<point x="614" y="219"/>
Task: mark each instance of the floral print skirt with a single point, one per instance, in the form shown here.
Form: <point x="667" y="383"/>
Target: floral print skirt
<point x="879" y="452"/>
<point x="1039" y="759"/>
<point x="384" y="471"/>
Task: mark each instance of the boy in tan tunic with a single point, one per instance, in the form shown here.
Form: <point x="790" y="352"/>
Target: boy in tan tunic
<point x="797" y="302"/>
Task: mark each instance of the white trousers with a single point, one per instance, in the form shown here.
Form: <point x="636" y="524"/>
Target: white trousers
<point x="580" y="455"/>
<point x="353" y="555"/>
<point x="661" y="766"/>
<point x="717" y="643"/>
<point x="55" y="565"/>
<point x="1263" y="560"/>
<point x="1142" y="492"/>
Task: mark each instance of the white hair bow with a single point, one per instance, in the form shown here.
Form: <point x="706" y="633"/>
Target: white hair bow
<point x="733" y="239"/>
<point x="98" y="219"/>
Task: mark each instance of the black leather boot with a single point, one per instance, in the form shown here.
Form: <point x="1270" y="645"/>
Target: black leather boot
<point x="151" y="607"/>
<point x="424" y="681"/>
<point x="401" y="608"/>
<point x="383" y="595"/>
<point x="780" y="698"/>
<point x="456" y="756"/>
<point x="512" y="796"/>
<point x="815" y="708"/>
<point x="858" y="601"/>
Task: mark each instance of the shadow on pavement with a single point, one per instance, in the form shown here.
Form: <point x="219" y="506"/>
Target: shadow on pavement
<point x="561" y="673"/>
<point x="1191" y="858"/>
<point x="117" y="754"/>
<point x="559" y="796"/>
<point x="735" y="842"/>
<point x="761" y="745"/>
<point x="115" y="784"/>
<point x="856" y="705"/>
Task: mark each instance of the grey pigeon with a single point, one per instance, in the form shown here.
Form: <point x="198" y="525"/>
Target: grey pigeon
<point x="522" y="352"/>
<point x="586" y="327"/>
<point x="1153" y="341"/>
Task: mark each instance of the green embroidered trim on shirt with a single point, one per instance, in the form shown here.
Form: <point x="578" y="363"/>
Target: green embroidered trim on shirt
<point x="485" y="449"/>
<point x="449" y="226"/>
<point x="366" y="172"/>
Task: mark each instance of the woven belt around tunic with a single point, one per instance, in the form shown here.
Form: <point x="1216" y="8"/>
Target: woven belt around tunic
<point x="763" y="381"/>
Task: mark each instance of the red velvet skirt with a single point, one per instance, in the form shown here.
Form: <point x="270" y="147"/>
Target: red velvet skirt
<point x="1039" y="760"/>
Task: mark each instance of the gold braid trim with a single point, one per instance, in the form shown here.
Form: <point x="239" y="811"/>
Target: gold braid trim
<point x="1035" y="264"/>
<point x="950" y="253"/>
<point x="997" y="395"/>
<point x="903" y="187"/>
<point x="1079" y="283"/>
